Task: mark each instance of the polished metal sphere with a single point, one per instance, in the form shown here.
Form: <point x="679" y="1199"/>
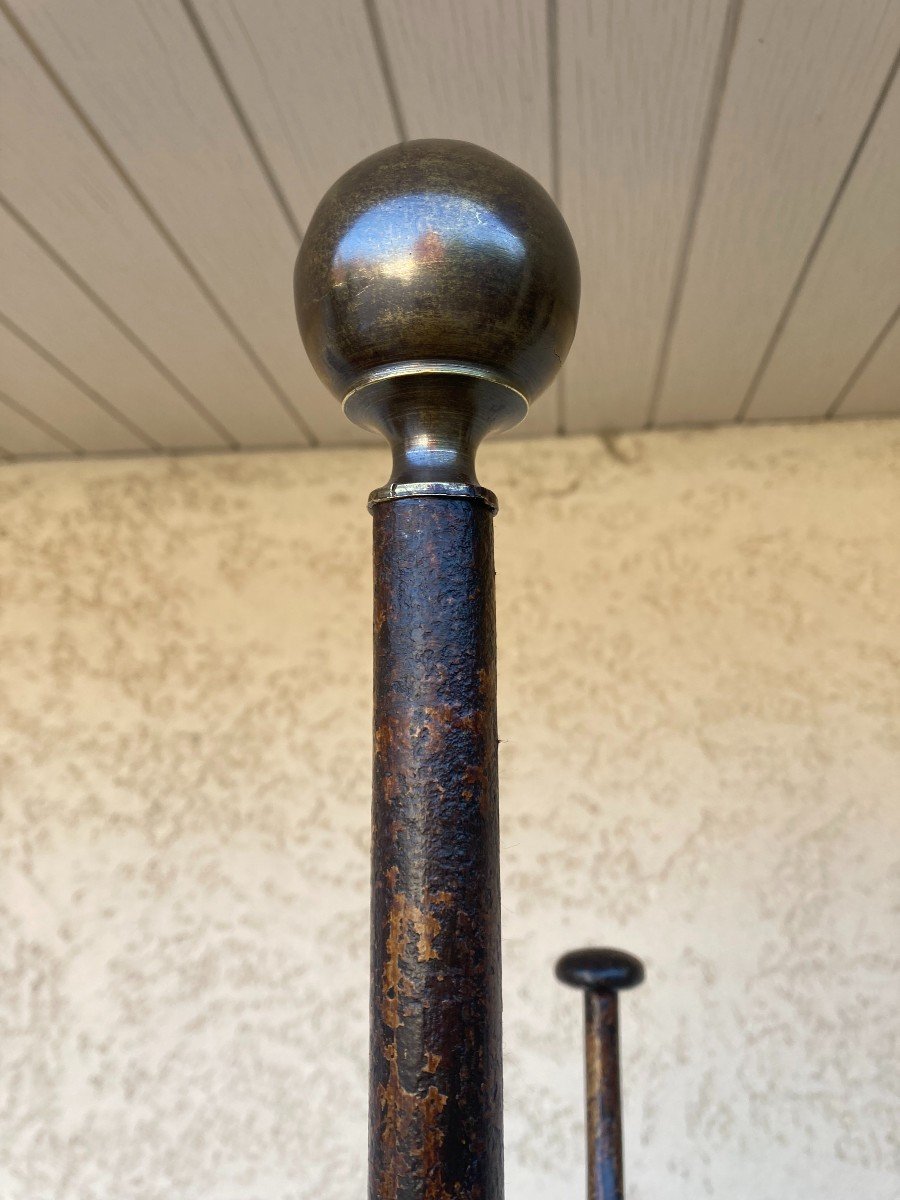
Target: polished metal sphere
<point x="437" y="253"/>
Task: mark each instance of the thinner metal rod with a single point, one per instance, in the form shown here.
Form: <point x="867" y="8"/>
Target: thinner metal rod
<point x="604" y="1100"/>
<point x="602" y="972"/>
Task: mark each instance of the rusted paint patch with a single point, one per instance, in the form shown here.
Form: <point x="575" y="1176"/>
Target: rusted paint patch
<point x="432" y="1062"/>
<point x="403" y="1113"/>
<point x="405" y="918"/>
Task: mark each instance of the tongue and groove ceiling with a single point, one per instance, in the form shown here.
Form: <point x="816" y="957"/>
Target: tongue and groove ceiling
<point x="730" y="172"/>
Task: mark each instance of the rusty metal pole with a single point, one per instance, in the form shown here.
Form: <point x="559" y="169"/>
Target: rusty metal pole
<point x="436" y="1104"/>
<point x="437" y="294"/>
<point x="602" y="974"/>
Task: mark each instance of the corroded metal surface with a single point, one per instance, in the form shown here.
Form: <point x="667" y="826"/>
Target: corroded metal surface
<point x="435" y="1100"/>
<point x="602" y="974"/>
<point x="604" y="1110"/>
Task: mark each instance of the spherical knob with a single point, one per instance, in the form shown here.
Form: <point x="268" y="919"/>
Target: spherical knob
<point x="437" y="254"/>
<point x="600" y="970"/>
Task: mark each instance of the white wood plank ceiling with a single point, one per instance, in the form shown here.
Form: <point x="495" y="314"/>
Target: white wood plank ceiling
<point x="730" y="170"/>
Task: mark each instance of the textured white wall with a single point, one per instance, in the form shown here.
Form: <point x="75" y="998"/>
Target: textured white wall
<point x="700" y="706"/>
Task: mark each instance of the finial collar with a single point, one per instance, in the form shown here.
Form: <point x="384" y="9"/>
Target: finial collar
<point x="434" y="417"/>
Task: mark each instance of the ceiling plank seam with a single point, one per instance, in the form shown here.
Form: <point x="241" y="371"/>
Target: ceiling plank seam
<point x="704" y="157"/>
<point x="32" y="418"/>
<point x="127" y="332"/>
<point x="815" y="246"/>
<point x="379" y="42"/>
<point x="242" y="119"/>
<point x="158" y="224"/>
<point x="76" y="381"/>
<point x="834" y="408"/>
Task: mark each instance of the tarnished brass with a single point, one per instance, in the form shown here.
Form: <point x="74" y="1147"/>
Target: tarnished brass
<point x="437" y="294"/>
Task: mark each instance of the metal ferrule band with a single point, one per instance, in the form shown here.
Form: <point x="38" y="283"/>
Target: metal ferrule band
<point x="448" y="491"/>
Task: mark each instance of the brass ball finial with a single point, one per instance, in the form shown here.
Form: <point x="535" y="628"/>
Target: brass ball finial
<point x="439" y="278"/>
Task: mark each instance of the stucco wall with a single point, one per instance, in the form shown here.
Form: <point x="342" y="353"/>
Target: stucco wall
<point x="700" y="710"/>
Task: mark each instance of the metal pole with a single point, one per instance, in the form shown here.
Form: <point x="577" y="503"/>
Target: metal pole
<point x="602" y="974"/>
<point x="436" y="1093"/>
<point x="437" y="293"/>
